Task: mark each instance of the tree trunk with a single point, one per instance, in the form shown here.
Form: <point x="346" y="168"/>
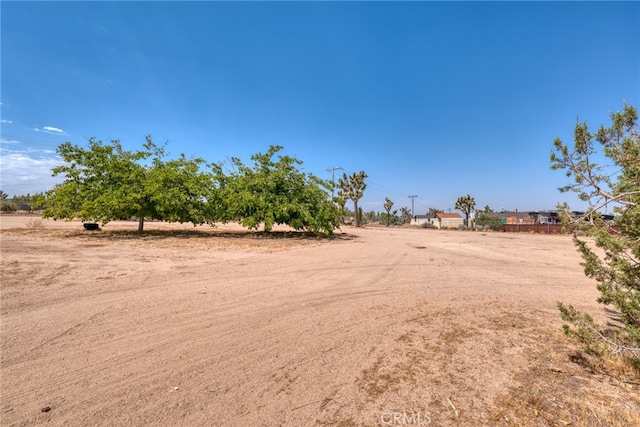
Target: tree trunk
<point x="141" y="224"/>
<point x="355" y="212"/>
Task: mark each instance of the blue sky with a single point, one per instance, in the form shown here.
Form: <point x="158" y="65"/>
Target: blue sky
<point x="434" y="99"/>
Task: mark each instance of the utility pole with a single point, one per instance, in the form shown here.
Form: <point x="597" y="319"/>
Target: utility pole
<point x="412" y="198"/>
<point x="333" y="178"/>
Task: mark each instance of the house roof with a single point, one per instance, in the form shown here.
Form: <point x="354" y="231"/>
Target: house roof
<point x="442" y="215"/>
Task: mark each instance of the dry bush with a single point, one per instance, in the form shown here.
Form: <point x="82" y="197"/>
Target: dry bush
<point x="35" y="224"/>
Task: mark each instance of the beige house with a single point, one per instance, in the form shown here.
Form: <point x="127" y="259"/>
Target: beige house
<point x="440" y="220"/>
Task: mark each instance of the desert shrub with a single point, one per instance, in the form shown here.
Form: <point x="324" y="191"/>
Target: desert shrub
<point x="7" y="207"/>
<point x="35" y="224"/>
<point x="489" y="223"/>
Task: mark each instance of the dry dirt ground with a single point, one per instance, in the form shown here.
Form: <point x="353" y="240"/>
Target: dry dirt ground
<point x="375" y="327"/>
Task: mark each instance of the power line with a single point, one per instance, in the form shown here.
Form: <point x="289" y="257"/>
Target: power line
<point x="383" y="188"/>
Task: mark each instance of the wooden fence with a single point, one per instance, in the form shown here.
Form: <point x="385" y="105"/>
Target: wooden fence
<point x="533" y="228"/>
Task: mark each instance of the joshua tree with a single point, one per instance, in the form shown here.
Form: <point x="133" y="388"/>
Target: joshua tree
<point x="434" y="211"/>
<point x="353" y="187"/>
<point x="466" y="205"/>
<point x="388" y="204"/>
<point x="405" y="213"/>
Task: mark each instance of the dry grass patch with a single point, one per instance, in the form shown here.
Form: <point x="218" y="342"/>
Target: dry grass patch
<point x="567" y="387"/>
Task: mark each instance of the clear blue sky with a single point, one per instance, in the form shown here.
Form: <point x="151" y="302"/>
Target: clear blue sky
<point x="436" y="99"/>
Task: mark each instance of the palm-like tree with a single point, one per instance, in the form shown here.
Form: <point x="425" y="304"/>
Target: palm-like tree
<point x="433" y="212"/>
<point x="466" y="205"/>
<point x="405" y="213"/>
<point x="388" y="204"/>
<point x="353" y="187"/>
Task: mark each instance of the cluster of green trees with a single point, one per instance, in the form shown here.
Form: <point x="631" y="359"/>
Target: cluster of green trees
<point x="393" y="218"/>
<point x="489" y="222"/>
<point x="5" y="203"/>
<point x="105" y="182"/>
<point x="23" y="202"/>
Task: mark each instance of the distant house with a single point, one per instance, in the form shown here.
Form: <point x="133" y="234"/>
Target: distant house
<point x="516" y="217"/>
<point x="448" y="220"/>
<point x="421" y="219"/>
<point x="440" y="220"/>
<point x="545" y="217"/>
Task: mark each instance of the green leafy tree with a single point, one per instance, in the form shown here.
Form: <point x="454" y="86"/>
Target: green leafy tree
<point x="353" y="187"/>
<point x="38" y="201"/>
<point x="388" y="204"/>
<point x="605" y="171"/>
<point x="273" y="192"/>
<point x="465" y="204"/>
<point x="490" y="222"/>
<point x="487" y="209"/>
<point x="106" y="182"/>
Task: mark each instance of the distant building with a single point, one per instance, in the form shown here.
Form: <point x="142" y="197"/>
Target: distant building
<point x="440" y="220"/>
<point x="540" y="217"/>
<point x="453" y="220"/>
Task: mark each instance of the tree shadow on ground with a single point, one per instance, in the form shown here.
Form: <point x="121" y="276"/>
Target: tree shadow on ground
<point x="209" y="234"/>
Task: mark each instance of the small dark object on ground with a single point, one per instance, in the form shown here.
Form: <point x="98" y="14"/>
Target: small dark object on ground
<point x="46" y="409"/>
<point x="91" y="226"/>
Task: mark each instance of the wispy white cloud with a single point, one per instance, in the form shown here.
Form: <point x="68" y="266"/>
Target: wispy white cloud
<point x="8" y="141"/>
<point x="6" y="121"/>
<point x="27" y="171"/>
<point x="52" y="130"/>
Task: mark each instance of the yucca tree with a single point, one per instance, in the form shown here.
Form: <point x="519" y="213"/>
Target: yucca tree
<point x="465" y="204"/>
<point x="353" y="187"/>
<point x="432" y="212"/>
<point x="405" y="213"/>
<point x="388" y="204"/>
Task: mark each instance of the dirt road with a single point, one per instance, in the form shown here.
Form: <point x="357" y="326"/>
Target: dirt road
<point x="219" y="328"/>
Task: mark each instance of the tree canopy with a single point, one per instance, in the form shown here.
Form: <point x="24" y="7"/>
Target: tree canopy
<point x="605" y="171"/>
<point x="106" y="182"/>
<point x="273" y="192"/>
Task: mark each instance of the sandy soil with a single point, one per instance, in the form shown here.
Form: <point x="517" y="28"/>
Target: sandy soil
<point x="192" y="327"/>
